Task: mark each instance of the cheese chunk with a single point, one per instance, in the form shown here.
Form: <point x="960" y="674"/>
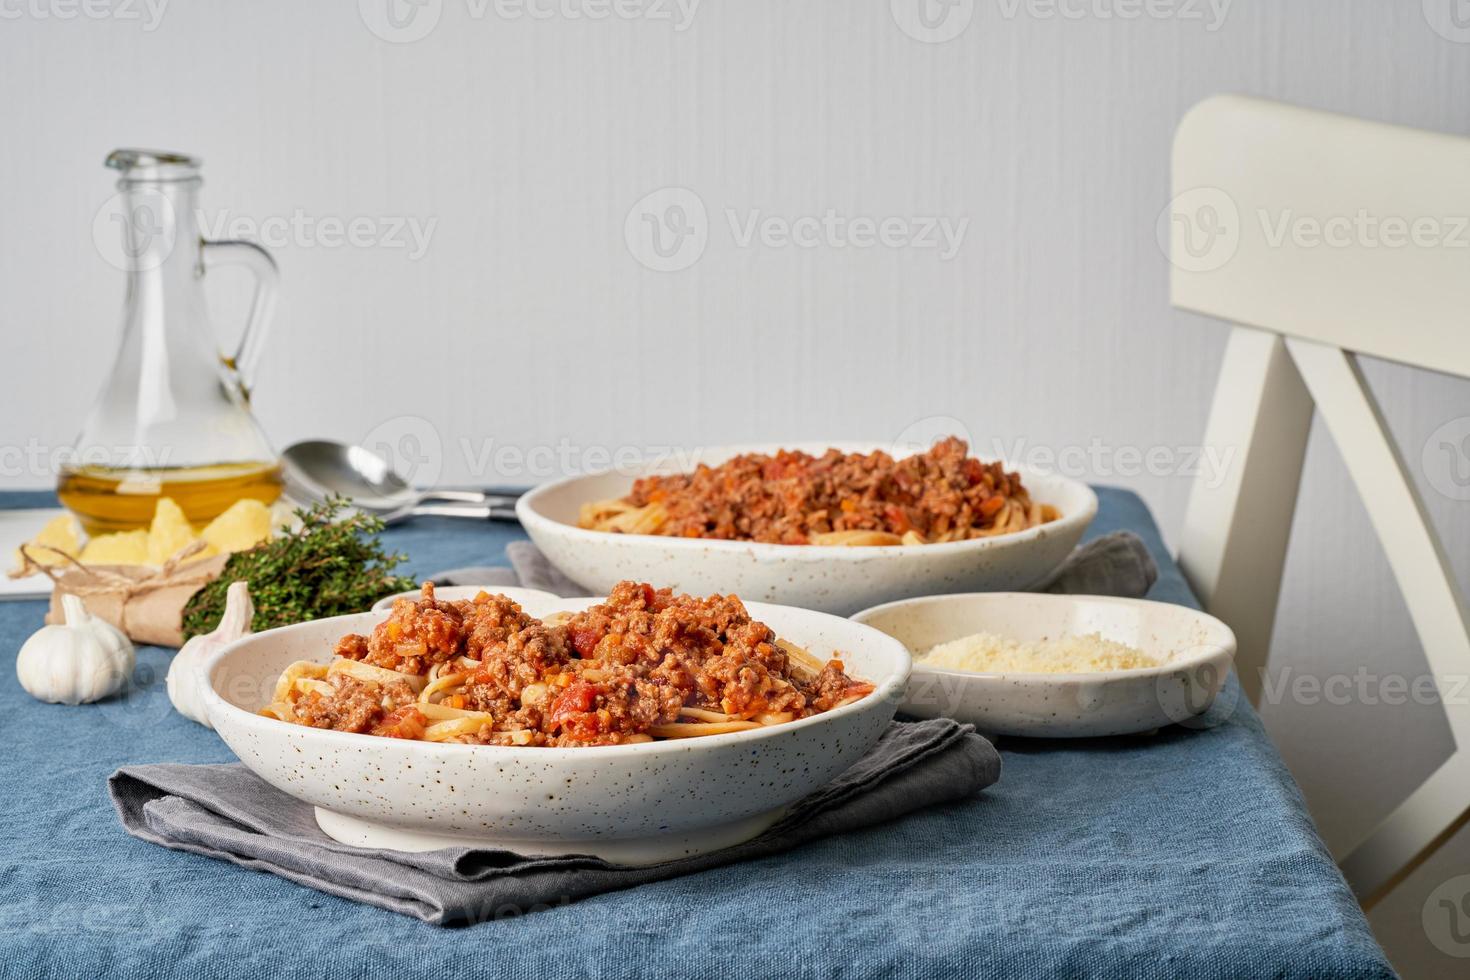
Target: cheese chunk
<point x="121" y="548"/>
<point x="246" y="524"/>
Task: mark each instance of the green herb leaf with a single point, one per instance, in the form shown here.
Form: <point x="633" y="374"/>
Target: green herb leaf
<point x="327" y="567"/>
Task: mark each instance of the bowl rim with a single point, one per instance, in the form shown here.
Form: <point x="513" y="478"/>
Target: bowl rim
<point x="529" y="514"/>
<point x="1190" y="657"/>
<point x="890" y="690"/>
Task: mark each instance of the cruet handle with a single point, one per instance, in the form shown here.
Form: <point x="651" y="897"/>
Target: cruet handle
<point x="267" y="280"/>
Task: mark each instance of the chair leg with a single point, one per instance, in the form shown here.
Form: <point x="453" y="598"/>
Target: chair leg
<point x="1417" y="827"/>
<point x="1441" y="806"/>
<point x="1235" y="536"/>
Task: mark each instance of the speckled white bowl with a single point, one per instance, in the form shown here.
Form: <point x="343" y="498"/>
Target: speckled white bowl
<point x="451" y="593"/>
<point x="1195" y="651"/>
<point x="833" y="579"/>
<point x="632" y="804"/>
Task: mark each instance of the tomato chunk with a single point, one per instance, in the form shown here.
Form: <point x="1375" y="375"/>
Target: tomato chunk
<point x="585" y="640"/>
<point x="577" y="699"/>
<point x="898" y="521"/>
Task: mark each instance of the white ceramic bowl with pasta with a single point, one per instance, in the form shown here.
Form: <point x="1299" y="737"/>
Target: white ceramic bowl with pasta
<point x="631" y="804"/>
<point x="1193" y="652"/>
<point x="833" y="579"/>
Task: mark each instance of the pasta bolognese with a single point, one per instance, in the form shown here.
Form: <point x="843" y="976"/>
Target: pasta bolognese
<point x="645" y="664"/>
<point x="854" y="499"/>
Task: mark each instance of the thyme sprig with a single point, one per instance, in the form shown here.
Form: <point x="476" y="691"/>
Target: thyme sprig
<point x="328" y="566"/>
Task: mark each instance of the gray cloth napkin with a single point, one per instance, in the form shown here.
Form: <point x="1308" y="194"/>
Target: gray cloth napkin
<point x="226" y="812"/>
<point x="1116" y="564"/>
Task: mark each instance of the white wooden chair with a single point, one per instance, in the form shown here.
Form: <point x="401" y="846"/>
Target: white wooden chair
<point x="1250" y="178"/>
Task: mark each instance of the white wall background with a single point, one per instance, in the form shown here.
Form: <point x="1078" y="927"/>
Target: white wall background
<point x="527" y="321"/>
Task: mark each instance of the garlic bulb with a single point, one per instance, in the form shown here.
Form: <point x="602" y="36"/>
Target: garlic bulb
<point x="81" y="660"/>
<point x="186" y="679"/>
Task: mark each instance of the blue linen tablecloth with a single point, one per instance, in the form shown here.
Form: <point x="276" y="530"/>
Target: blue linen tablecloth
<point x="1187" y="853"/>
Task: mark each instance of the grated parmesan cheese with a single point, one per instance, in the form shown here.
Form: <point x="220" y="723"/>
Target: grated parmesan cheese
<point x="988" y="653"/>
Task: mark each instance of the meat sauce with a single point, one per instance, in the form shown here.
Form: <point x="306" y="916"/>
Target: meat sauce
<point x="604" y="676"/>
<point x="789" y="497"/>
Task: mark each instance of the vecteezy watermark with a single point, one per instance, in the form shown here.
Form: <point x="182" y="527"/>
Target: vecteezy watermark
<point x="668" y="230"/>
<point x="400" y="21"/>
<point x="406" y="21"/>
<point x="1446" y="458"/>
<point x="833" y="230"/>
<point x="1446" y="917"/>
<point x="36" y="459"/>
<point x="1093" y="460"/>
<point x="416" y="450"/>
<point x="410" y="446"/>
<point x="302" y="230"/>
<point x="136" y="230"/>
<point x="1363" y="687"/>
<point x="921" y="434"/>
<point x="141" y="704"/>
<point x="492" y="461"/>
<point x="1198" y="696"/>
<point x="147" y="13"/>
<point x="139" y="229"/>
<point x="478" y="912"/>
<point x="123" y="908"/>
<point x="1099" y="459"/>
<point x="1450" y="19"/>
<point x="1199" y="230"/>
<point x="679" y="14"/>
<point x="932" y="21"/>
<point x="1210" y="13"/>
<point x="1363" y="229"/>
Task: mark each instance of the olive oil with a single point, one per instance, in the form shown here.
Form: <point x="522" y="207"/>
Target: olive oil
<point x="107" y="499"/>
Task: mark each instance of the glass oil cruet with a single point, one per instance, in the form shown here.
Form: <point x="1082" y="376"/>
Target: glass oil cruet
<point x="173" y="418"/>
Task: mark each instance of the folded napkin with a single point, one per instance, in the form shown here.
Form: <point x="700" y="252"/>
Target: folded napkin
<point x="226" y="812"/>
<point x="1116" y="564"/>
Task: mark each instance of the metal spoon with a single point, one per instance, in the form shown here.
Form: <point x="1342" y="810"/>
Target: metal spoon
<point x="316" y="468"/>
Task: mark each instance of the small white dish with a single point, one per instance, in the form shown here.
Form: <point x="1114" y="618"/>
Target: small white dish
<point x="1195" y="653"/>
<point x="16" y="528"/>
<point x="453" y="593"/>
<point x="837" y="580"/>
<point x="631" y="804"/>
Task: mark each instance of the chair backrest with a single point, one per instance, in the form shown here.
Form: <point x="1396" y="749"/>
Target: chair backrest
<point x="1324" y="237"/>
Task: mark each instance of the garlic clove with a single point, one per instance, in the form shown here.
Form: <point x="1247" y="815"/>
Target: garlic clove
<point x="186" y="681"/>
<point x="79" y="660"/>
<point x="75" y="613"/>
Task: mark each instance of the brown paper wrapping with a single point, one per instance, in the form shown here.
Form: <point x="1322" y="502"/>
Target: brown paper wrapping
<point x="145" y="603"/>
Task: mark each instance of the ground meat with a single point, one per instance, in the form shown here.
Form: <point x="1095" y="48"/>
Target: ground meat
<point x="353" y="646"/>
<point x="522" y="658"/>
<point x="497" y="736"/>
<point x="354" y="705"/>
<point x="790" y="496"/>
<point x="623" y="701"/>
<point x="405" y="722"/>
<point x="417" y="634"/>
<point x="684" y="650"/>
<point x="832" y="686"/>
<point x="489" y="621"/>
<point x="607" y="675"/>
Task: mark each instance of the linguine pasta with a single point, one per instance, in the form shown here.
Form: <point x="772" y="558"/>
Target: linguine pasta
<point x="643" y="665"/>
<point x="841" y="499"/>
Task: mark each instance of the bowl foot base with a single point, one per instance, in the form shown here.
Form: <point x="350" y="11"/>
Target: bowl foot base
<point x="634" y="852"/>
